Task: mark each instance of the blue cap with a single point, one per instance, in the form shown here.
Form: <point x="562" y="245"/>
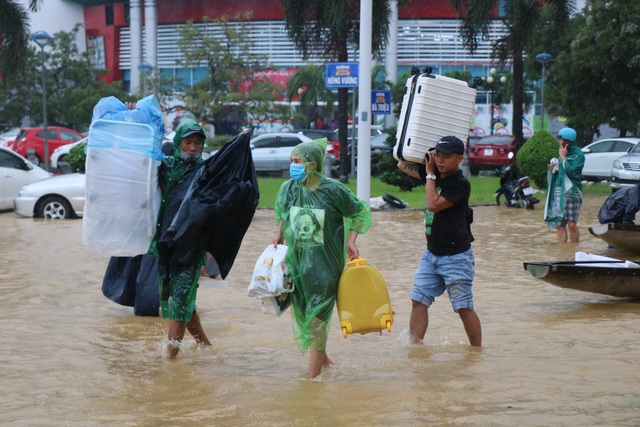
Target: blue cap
<point x="568" y="133"/>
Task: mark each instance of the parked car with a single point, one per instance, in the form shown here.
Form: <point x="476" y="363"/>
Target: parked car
<point x="8" y="136"/>
<point x="30" y="141"/>
<point x="272" y="151"/>
<point x="57" y="158"/>
<point x="599" y="156"/>
<point x="626" y="170"/>
<point x="59" y="197"/>
<point x="15" y="173"/>
<point x="491" y="152"/>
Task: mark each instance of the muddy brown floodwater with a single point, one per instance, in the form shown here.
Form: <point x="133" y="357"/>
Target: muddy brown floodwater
<point x="551" y="356"/>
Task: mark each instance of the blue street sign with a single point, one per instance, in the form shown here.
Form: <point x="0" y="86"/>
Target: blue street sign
<point x="342" y="74"/>
<point x="381" y="102"/>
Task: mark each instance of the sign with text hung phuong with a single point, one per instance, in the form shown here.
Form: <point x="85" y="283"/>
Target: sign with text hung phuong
<point x="342" y="74"/>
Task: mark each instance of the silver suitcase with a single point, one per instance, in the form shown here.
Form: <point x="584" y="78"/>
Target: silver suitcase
<point x="433" y="106"/>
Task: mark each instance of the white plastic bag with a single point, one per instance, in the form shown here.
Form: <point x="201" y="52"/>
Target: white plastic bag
<point x="584" y="256"/>
<point x="270" y="276"/>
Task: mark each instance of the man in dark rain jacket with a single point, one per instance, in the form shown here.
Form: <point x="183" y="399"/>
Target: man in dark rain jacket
<point x="178" y="293"/>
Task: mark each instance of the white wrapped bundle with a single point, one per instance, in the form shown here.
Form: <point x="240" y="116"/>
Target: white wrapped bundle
<point x="122" y="195"/>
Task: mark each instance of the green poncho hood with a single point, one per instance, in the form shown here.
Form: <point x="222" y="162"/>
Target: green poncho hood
<point x="312" y="152"/>
<point x="186" y="124"/>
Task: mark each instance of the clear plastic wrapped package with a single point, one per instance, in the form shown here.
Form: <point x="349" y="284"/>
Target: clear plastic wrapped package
<point x="122" y="195"/>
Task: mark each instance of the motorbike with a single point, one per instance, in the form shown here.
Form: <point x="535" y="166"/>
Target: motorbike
<point x="515" y="189"/>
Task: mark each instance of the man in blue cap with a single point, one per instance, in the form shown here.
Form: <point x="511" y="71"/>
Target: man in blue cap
<point x="564" y="195"/>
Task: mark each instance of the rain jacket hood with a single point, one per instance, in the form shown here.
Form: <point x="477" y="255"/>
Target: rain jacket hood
<point x="312" y="152"/>
<point x="185" y="125"/>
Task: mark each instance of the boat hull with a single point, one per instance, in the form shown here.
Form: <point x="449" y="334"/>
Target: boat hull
<point x="586" y="276"/>
<point x="620" y="236"/>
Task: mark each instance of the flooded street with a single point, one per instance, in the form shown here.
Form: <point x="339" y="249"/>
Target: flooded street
<point x="551" y="356"/>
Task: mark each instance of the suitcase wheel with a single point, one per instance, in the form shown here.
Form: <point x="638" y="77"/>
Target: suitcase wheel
<point x="389" y="326"/>
<point x="344" y="331"/>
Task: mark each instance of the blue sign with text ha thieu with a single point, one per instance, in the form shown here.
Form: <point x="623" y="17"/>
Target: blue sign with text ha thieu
<point x="342" y="74"/>
<point x="381" y="102"/>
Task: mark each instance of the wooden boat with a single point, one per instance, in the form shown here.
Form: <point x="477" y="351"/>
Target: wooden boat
<point x="600" y="277"/>
<point x="621" y="236"/>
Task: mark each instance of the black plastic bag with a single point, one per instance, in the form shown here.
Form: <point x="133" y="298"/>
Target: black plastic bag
<point x="212" y="210"/>
<point x="133" y="282"/>
<point x="621" y="207"/>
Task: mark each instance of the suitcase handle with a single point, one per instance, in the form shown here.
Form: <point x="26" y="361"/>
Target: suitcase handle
<point x="357" y="262"/>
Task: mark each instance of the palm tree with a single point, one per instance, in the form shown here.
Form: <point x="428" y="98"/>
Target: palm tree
<point x="14" y="36"/>
<point x="322" y="28"/>
<point x="309" y="85"/>
<point x="520" y="19"/>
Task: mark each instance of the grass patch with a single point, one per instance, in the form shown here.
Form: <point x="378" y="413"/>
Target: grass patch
<point x="482" y="191"/>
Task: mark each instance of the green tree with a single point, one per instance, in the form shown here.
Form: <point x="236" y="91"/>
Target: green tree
<point x="230" y="92"/>
<point x="389" y="172"/>
<point x="520" y="18"/>
<point x="595" y="78"/>
<point x="73" y="86"/>
<point x="323" y="28"/>
<point x="14" y="37"/>
<point x="534" y="156"/>
<point x="308" y="83"/>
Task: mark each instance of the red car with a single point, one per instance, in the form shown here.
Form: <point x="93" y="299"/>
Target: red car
<point x="30" y="141"/>
<point x="490" y="152"/>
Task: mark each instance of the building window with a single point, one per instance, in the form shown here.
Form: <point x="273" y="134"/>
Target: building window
<point x="126" y="13"/>
<point x="108" y="14"/>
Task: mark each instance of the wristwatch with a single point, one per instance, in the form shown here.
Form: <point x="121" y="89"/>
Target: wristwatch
<point x="431" y="176"/>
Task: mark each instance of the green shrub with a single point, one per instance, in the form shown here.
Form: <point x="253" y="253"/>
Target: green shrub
<point x="76" y="158"/>
<point x="534" y="156"/>
<point x="389" y="172"/>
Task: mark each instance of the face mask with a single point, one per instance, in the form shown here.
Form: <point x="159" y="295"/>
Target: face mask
<point x="188" y="158"/>
<point x="297" y="173"/>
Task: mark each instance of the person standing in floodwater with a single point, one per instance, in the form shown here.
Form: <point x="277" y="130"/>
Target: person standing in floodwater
<point x="564" y="193"/>
<point x="179" y="288"/>
<point x="447" y="263"/>
<point x="315" y="216"/>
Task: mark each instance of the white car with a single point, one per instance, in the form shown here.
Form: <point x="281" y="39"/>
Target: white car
<point x="59" y="197"/>
<point x="599" y="156"/>
<point x="8" y="136"/>
<point x="272" y="151"/>
<point x="60" y="153"/>
<point x="15" y="173"/>
<point x="625" y="172"/>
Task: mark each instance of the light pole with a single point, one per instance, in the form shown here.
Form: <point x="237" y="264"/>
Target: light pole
<point x="144" y="68"/>
<point x="42" y="39"/>
<point x="490" y="79"/>
<point x="351" y="42"/>
<point x="543" y="58"/>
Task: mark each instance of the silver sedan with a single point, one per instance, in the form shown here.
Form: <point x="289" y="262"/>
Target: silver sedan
<point x="60" y="197"/>
<point x="16" y="172"/>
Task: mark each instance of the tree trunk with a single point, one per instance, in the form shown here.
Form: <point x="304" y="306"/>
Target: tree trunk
<point x="343" y="113"/>
<point x="345" y="160"/>
<point x="518" y="97"/>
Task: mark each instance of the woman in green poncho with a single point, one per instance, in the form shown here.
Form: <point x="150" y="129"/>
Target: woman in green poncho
<point x="319" y="218"/>
<point x="178" y="293"/>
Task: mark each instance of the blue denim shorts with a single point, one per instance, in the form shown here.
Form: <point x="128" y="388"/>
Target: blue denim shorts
<point x="453" y="273"/>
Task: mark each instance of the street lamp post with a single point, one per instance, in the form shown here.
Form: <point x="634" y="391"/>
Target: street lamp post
<point x="490" y="80"/>
<point x="543" y="58"/>
<point x="144" y="68"/>
<point x="42" y="39"/>
<point x="351" y="42"/>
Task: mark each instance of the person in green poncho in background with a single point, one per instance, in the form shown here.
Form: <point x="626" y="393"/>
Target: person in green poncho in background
<point x="319" y="219"/>
<point x="178" y="293"/>
<point x="564" y="190"/>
